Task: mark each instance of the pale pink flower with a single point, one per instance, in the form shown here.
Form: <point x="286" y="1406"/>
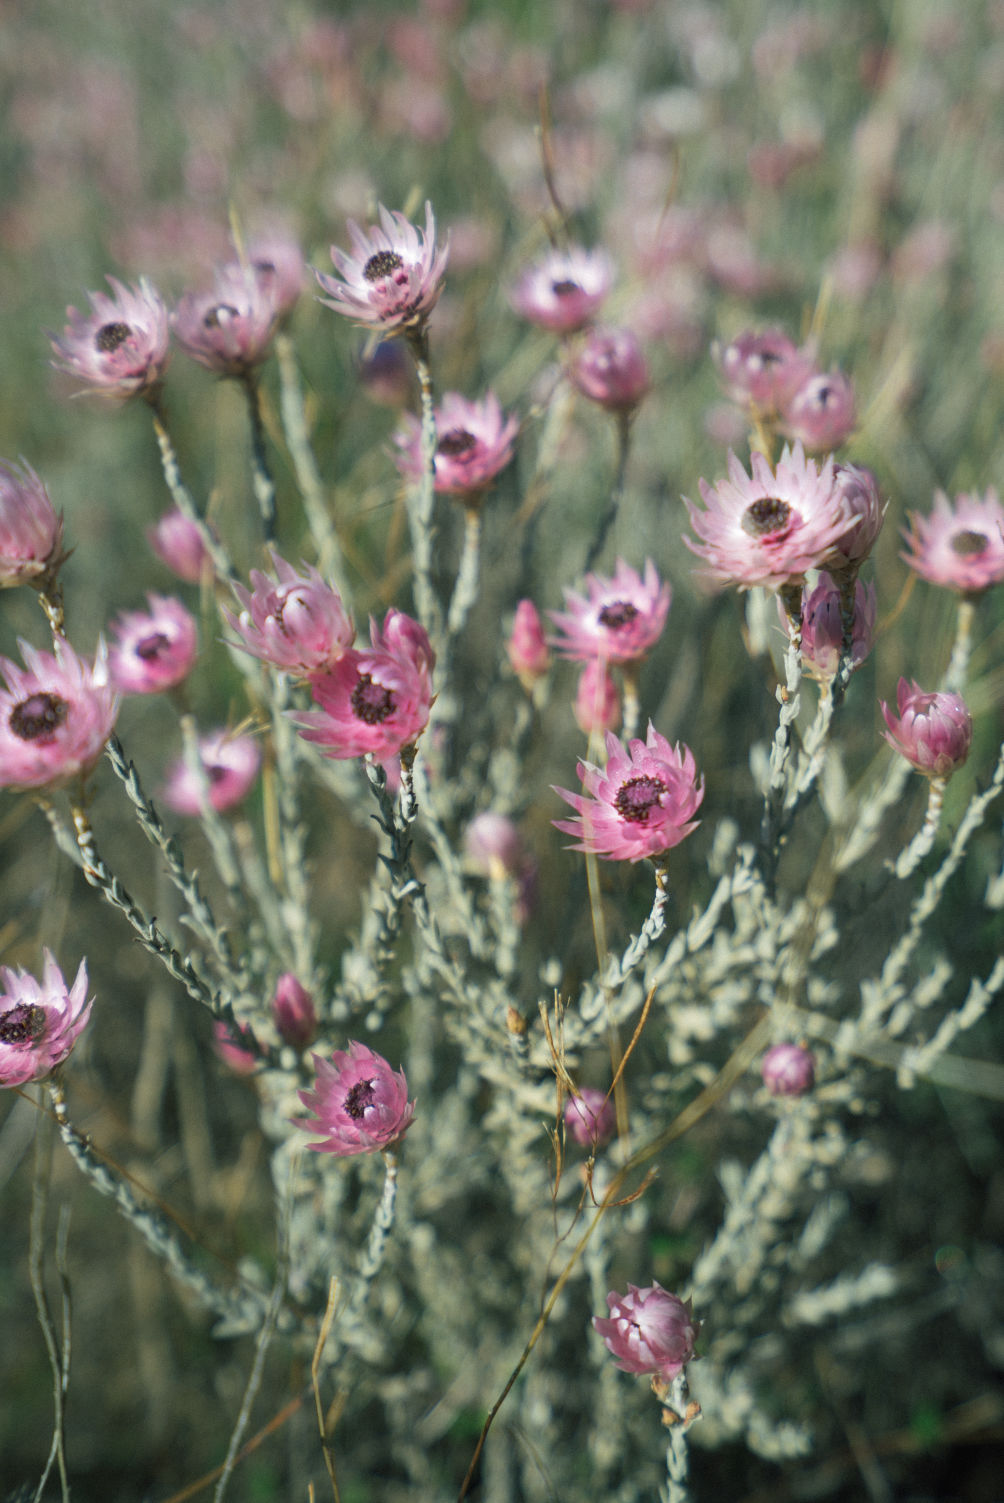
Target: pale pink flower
<point x="229" y="765"/>
<point x="231" y="328"/>
<point x="31" y="533"/>
<point x="597" y="702"/>
<point x="822" y="628"/>
<point x="526" y="648"/>
<point x="641" y="804"/>
<point x="564" y="290"/>
<point x="360" y="1104"/>
<point x="474" y="443"/>
<point x="121" y="346"/>
<point x="590" y="1117"/>
<point x="277" y="262"/>
<point x="296" y="622"/>
<point x="932" y="731"/>
<point x="178" y="543"/>
<point x="769" y="527"/>
<point x="649" y="1331"/>
<point x="55" y="717"/>
<point x="394" y="276"/>
<point x="228" y="1041"/>
<point x="860" y="490"/>
<point x="611" y="369"/>
<point x="960" y="545"/>
<point x="762" y="370"/>
<point x="619" y="620"/>
<point x="39" y="1021"/>
<point x="293" y="1011"/>
<point x="155" y="649"/>
<point x="821" y="413"/>
<point x="492" y="845"/>
<point x="788" y="1070"/>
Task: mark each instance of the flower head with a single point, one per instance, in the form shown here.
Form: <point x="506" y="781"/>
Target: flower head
<point x="649" y="1331"/>
<point x="859" y="489"/>
<point x="31" y="533"/>
<point x="526" y="648"/>
<point x="821" y="413"/>
<point x="597" y="702"/>
<point x="611" y="369"/>
<point x="121" y="346"/>
<point x="394" y="276"/>
<point x="39" y="1021"/>
<point x="295" y="622"/>
<point x="277" y="263"/>
<point x="590" y="1117"/>
<point x="155" y="649"/>
<point x="762" y="370"/>
<point x="641" y="804"/>
<point x="229" y="1041"/>
<point x="228" y="766"/>
<point x="932" y="731"/>
<point x="360" y="1104"/>
<point x="564" y="290"/>
<point x="960" y="545"/>
<point x="230" y="329"/>
<point x="55" y="716"/>
<point x="788" y="1070"/>
<point x="293" y="1011"/>
<point x="474" y="444"/>
<point x="618" y="620"/>
<point x="178" y="543"/>
<point x="823" y="630"/>
<point x="492" y="845"/>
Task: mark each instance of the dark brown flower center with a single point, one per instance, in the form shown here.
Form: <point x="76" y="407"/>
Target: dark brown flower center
<point x="358" y="1098"/>
<point x="110" y="336"/>
<point x="215" y="772"/>
<point x="151" y="647"/>
<point x="765" y="517"/>
<point x="565" y="288"/>
<point x="38" y="717"/>
<point x="384" y="264"/>
<point x="636" y="797"/>
<point x="370" y="701"/>
<point x="267" y="268"/>
<point x="22" y="1024"/>
<point x="617" y="614"/>
<point x="457" y="441"/>
<point x="965" y="543"/>
<point x="220" y="316"/>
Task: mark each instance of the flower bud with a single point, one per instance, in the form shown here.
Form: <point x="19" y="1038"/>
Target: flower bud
<point x="649" y="1331"/>
<point x="294" y="1012"/>
<point x="597" y="702"/>
<point x="788" y="1070"/>
<point x="527" y="649"/>
<point x="933" y="731"/>
<point x="612" y="370"/>
<point x="590" y="1117"/>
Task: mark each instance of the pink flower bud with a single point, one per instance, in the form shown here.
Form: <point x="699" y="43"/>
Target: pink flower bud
<point x="177" y="542"/>
<point x="649" y="1331"/>
<point x="823" y="630"/>
<point x="225" y="1042"/>
<point x="859" y="488"/>
<point x="39" y="1021"/>
<point x="788" y="1070"/>
<point x="933" y="731"/>
<point x="360" y="1104"/>
<point x="492" y="845"/>
<point x="527" y="649"/>
<point x="590" y="1117"/>
<point x="294" y="1012"/>
<point x="30" y="530"/>
<point x="612" y="370"/>
<point x="597" y="702"/>
<point x="821" y="413"/>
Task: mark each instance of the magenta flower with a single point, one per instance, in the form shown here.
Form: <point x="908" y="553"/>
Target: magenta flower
<point x="762" y="370"/>
<point x="564" y="290"/>
<point x="641" y="804"/>
<point x="619" y="620"/>
<point x="155" y="649"/>
<point x="649" y="1331"/>
<point x="229" y="765"/>
<point x="228" y="1042"/>
<point x="590" y="1117"/>
<point x="360" y="1104"/>
<point x="960" y="546"/>
<point x="121" y="346"/>
<point x="597" y="702"/>
<point x="230" y="329"/>
<point x="822" y="628"/>
<point x="178" y="543"/>
<point x="788" y="1070"/>
<point x="611" y="369"/>
<point x="294" y="1012"/>
<point x="821" y="413"/>
<point x="55" y="717"/>
<point x="474" y="444"/>
<point x="932" y="731"/>
<point x="296" y="622"/>
<point x="526" y="648"/>
<point x="39" y="1021"/>
<point x="394" y="276"/>
<point x="769" y="527"/>
<point x="31" y="533"/>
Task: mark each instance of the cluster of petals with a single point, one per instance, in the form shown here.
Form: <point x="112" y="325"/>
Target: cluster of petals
<point x="611" y="369"/>
<point x="230" y="328"/>
<point x="293" y="1011"/>
<point x="375" y="701"/>
<point x="649" y="1331"/>
<point x="860" y="490"/>
<point x="228" y="765"/>
<point x="618" y="619"/>
<point x="31" y="533"/>
<point x="359" y="1104"/>
<point x="526" y="647"/>
<point x="121" y="346"/>
<point x="822" y="413"/>
<point x="823" y="629"/>
<point x="960" y="545"/>
<point x="295" y="621"/>
<point x="590" y="1117"/>
<point x="55" y="716"/>
<point x="564" y="290"/>
<point x="155" y="649"/>
<point x="772" y="377"/>
<point x="788" y="1070"/>
<point x="475" y="442"/>
<point x="641" y="804"/>
<point x="393" y="278"/>
<point x="178" y="543"/>
<point x="40" y="1021"/>
<point x="597" y="702"/>
<point x="769" y="527"/>
<point x="933" y="731"/>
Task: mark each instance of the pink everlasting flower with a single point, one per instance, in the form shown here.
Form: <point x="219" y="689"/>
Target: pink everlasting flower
<point x="228" y="1042"/>
<point x="762" y="370"/>
<point x="39" y="1021"/>
<point x="641" y="804"/>
<point x="564" y="290"/>
<point x="31" y="533"/>
<point x="493" y="846"/>
<point x="229" y="765"/>
<point x="360" y="1104"/>
<point x="177" y="542"/>
<point x="526" y="648"/>
<point x="649" y="1331"/>
<point x="294" y="1011"/>
<point x="55" y="717"/>
<point x="230" y="329"/>
<point x="960" y="546"/>
<point x="597" y="702"/>
<point x="769" y="527"/>
<point x="860" y="490"/>
<point x="278" y="266"/>
<point x="590" y="1117"/>
<point x="788" y="1070"/>
<point x="932" y="731"/>
<point x="394" y="276"/>
<point x="823" y="632"/>
<point x="474" y="444"/>
<point x="295" y="622"/>
<point x="121" y="346"/>
<point x="619" y="619"/>
<point x="611" y="369"/>
<point x="821" y="413"/>
<point x="155" y="649"/>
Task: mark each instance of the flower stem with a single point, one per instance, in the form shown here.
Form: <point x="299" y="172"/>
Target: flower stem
<point x="909" y="859"/>
<point x="261" y="475"/>
<point x="422" y="497"/>
<point x="182" y="497"/>
<point x="616" y="491"/>
<point x="294" y="423"/>
<point x="376" y="1246"/>
<point x="955" y="678"/>
<point x="465" y="590"/>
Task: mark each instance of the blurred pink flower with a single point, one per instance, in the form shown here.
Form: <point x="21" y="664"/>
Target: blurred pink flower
<point x="55" y="717"/>
<point x="788" y="1070"/>
<point x="611" y="369"/>
<point x="294" y="1012"/>
<point x="960" y="545"/>
<point x="597" y="702"/>
<point x="394" y="276"/>
<point x="155" y="649"/>
<point x="822" y="628"/>
<point x="492" y="845"/>
<point x="474" y="444"/>
<point x="932" y="731"/>
<point x="649" y="1331"/>
<point x="619" y="619"/>
<point x="39" y="1021"/>
<point x="640" y="805"/>
<point x="295" y="622"/>
<point x="229" y="767"/>
<point x="121" y="346"/>
<point x="526" y="648"/>
<point x="230" y="329"/>
<point x="278" y="266"/>
<point x="228" y="1040"/>
<point x="564" y="290"/>
<point x="31" y="533"/>
<point x="360" y="1104"/>
<point x="177" y="542"/>
<point x="590" y="1117"/>
<point x="762" y="370"/>
<point x="821" y="413"/>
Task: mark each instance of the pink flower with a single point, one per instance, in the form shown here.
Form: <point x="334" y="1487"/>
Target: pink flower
<point x="762" y="370"/>
<point x="860" y="490"/>
<point x="590" y="1117"/>
<point x="277" y="262"/>
<point x="121" y="346"/>
<point x="768" y="528"/>
<point x="649" y="1331"/>
<point x="31" y="533"/>
<point x="619" y="620"/>
<point x="294" y="1012"/>
<point x="39" y="1022"/>
<point x="155" y="650"/>
<point x="394" y="276"/>
<point x="933" y="731"/>
<point x="788" y="1070"/>
<point x="295" y="622"/>
<point x="641" y="804"/>
<point x="228" y="1041"/>
<point x="492" y="845"/>
<point x="822" y="628"/>
<point x="597" y="703"/>
<point x="177" y="542"/>
<point x="564" y="290"/>
<point x="474" y="444"/>
<point x="526" y="648"/>
<point x="230" y="329"/>
<point x="821" y="413"/>
<point x="229" y="765"/>
<point x="55" y="717"/>
<point x="960" y="546"/>
<point x="360" y="1104"/>
<point x="611" y="369"/>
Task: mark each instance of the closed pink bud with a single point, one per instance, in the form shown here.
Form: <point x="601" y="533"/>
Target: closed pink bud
<point x="597" y="703"/>
<point x="30" y="530"/>
<point x="933" y="731"/>
<point x="823" y="629"/>
<point x="227" y="1043"/>
<point x="649" y="1331"/>
<point x="178" y="543"/>
<point x="822" y="413"/>
<point x="612" y="370"/>
<point x="859" y="488"/>
<point x="294" y="1012"/>
<point x="788" y="1070"/>
<point x="590" y="1117"/>
<point x="527" y="648"/>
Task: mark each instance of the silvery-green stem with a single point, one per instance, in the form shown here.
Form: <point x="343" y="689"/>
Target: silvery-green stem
<point x="292" y="835"/>
<point x="789" y="699"/>
<point x="620" y="967"/>
<point x="616" y="491"/>
<point x="58" y="1354"/>
<point x="261" y="475"/>
<point x="908" y="860"/>
<point x="182" y="497"/>
<point x="465" y="590"/>
<point x="955" y="678"/>
<point x="677" y="1489"/>
<point x="422" y="498"/>
<point x="294" y="423"/>
<point x="376" y="1246"/>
